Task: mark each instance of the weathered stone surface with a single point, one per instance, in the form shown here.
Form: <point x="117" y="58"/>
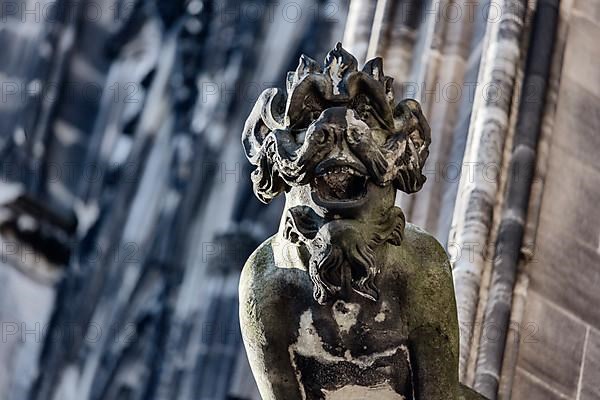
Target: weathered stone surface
<point x="346" y="300"/>
<point x="589" y="9"/>
<point x="473" y="214"/>
<point x="577" y="100"/>
<point x="590" y="378"/>
<point x="551" y="346"/>
<point x="563" y="295"/>
<point x="566" y="260"/>
<point x="527" y="387"/>
<point x="582" y="51"/>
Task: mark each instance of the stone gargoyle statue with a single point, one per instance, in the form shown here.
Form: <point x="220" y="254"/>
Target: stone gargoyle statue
<point x="346" y="301"/>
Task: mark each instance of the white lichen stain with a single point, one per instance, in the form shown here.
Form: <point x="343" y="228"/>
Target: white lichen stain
<point x="353" y="392"/>
<point x="335" y="73"/>
<point x="310" y="344"/>
<point x="352" y="121"/>
<point x="345" y="315"/>
<point x="380" y="317"/>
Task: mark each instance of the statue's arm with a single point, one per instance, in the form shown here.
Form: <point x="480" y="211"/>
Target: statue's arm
<point x="434" y="337"/>
<point x="274" y="376"/>
<point x="434" y="365"/>
<point x="267" y="351"/>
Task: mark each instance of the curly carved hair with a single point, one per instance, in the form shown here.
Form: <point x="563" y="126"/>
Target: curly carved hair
<point x="283" y="159"/>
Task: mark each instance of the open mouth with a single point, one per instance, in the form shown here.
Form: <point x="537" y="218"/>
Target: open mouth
<point x="340" y="184"/>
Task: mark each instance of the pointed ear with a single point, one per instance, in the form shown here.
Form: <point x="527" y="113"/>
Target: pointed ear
<point x="258" y="137"/>
<point x="409" y="119"/>
<point x="266" y="116"/>
<point x="421" y="135"/>
<point x="424" y="131"/>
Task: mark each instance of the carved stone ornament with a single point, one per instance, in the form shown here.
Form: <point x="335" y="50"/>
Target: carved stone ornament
<point x="346" y="301"/>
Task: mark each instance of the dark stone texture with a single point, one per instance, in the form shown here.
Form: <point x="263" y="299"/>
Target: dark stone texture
<point x="346" y="300"/>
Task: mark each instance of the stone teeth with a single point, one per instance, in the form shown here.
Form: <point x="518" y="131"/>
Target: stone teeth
<point x="342" y="170"/>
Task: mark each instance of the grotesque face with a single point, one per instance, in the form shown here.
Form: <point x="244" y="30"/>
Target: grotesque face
<point x="340" y="178"/>
<point x="339" y="148"/>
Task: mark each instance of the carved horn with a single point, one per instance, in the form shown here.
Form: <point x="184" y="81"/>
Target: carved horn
<point x="266" y="116"/>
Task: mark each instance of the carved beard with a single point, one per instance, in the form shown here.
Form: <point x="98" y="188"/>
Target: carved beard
<point x="342" y="251"/>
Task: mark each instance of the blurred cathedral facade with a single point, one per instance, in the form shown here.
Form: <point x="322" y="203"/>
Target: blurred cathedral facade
<point x="126" y="208"/>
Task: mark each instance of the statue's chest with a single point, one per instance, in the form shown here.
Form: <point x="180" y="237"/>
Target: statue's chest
<point x="352" y="351"/>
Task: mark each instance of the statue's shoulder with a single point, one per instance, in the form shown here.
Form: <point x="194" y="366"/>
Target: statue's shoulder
<point x="251" y="284"/>
<point x="429" y="284"/>
<point x="271" y="264"/>
<point x="424" y="251"/>
<point x="260" y="261"/>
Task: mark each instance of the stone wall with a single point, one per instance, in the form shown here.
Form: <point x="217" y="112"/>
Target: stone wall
<point x="559" y="346"/>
